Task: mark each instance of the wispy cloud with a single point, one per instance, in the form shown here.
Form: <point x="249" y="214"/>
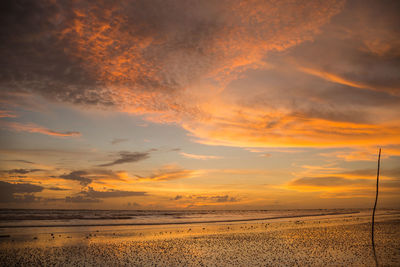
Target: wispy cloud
<point x="56" y="188"/>
<point x="118" y="140"/>
<point x="196" y="156"/>
<point x="7" y="114"/>
<point x="357" y="183"/>
<point x="86" y="177"/>
<point x="33" y="128"/>
<point x="19" y="160"/>
<point x="365" y="153"/>
<point x="371" y="173"/>
<point x="22" y="171"/>
<point x="79" y="176"/>
<point x="268" y="150"/>
<point x="326" y="181"/>
<point x="167" y="173"/>
<point x="127" y="157"/>
<point x="340" y="80"/>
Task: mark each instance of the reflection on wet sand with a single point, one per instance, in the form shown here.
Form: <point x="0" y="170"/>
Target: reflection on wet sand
<point x="341" y="240"/>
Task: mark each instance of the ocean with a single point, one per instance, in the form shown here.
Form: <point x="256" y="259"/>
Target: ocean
<point x="33" y="218"/>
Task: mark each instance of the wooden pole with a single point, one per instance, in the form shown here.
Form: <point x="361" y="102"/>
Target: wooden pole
<point x="373" y="212"/>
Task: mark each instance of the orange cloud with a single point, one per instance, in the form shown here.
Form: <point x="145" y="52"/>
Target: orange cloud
<point x="336" y="186"/>
<point x="265" y="129"/>
<point x="334" y="78"/>
<point x="340" y="80"/>
<point x="33" y="128"/>
<point x="150" y="60"/>
<point x="7" y="114"/>
<point x="167" y="173"/>
<point x="202" y="157"/>
<point x="346" y="184"/>
<point x="365" y="153"/>
<point x="173" y="63"/>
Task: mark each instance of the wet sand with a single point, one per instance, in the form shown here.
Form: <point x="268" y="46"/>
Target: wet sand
<point x="342" y="240"/>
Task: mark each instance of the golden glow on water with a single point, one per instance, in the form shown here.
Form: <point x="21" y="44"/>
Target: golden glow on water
<point x="286" y="238"/>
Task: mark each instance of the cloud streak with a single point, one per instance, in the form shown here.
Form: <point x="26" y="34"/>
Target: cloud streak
<point x="7" y="114"/>
<point x="167" y="173"/>
<point x="358" y="183"/>
<point x="118" y="140"/>
<point x="33" y="128"/>
<point x="22" y="171"/>
<point x="79" y="176"/>
<point x="127" y="157"/>
<point x="86" y="177"/>
<point x="334" y="78"/>
<point x="328" y="181"/>
<point x="201" y="157"/>
<point x="19" y="161"/>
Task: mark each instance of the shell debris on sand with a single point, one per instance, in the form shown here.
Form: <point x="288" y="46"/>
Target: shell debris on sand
<point x="332" y="242"/>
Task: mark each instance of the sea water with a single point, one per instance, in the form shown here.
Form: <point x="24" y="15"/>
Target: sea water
<point x="23" y="218"/>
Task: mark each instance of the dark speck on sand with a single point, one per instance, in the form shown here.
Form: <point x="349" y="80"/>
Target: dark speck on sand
<point x="334" y="241"/>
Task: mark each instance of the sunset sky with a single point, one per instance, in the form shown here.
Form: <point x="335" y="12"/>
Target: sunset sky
<point x="170" y="104"/>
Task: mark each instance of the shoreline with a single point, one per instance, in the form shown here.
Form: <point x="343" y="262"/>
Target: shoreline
<point x="333" y="240"/>
<point x="180" y="223"/>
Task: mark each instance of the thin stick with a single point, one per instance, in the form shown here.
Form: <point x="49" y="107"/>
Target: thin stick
<point x="373" y="212"/>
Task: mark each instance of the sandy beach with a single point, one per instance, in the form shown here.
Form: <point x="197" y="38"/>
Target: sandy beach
<point x="341" y="240"/>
